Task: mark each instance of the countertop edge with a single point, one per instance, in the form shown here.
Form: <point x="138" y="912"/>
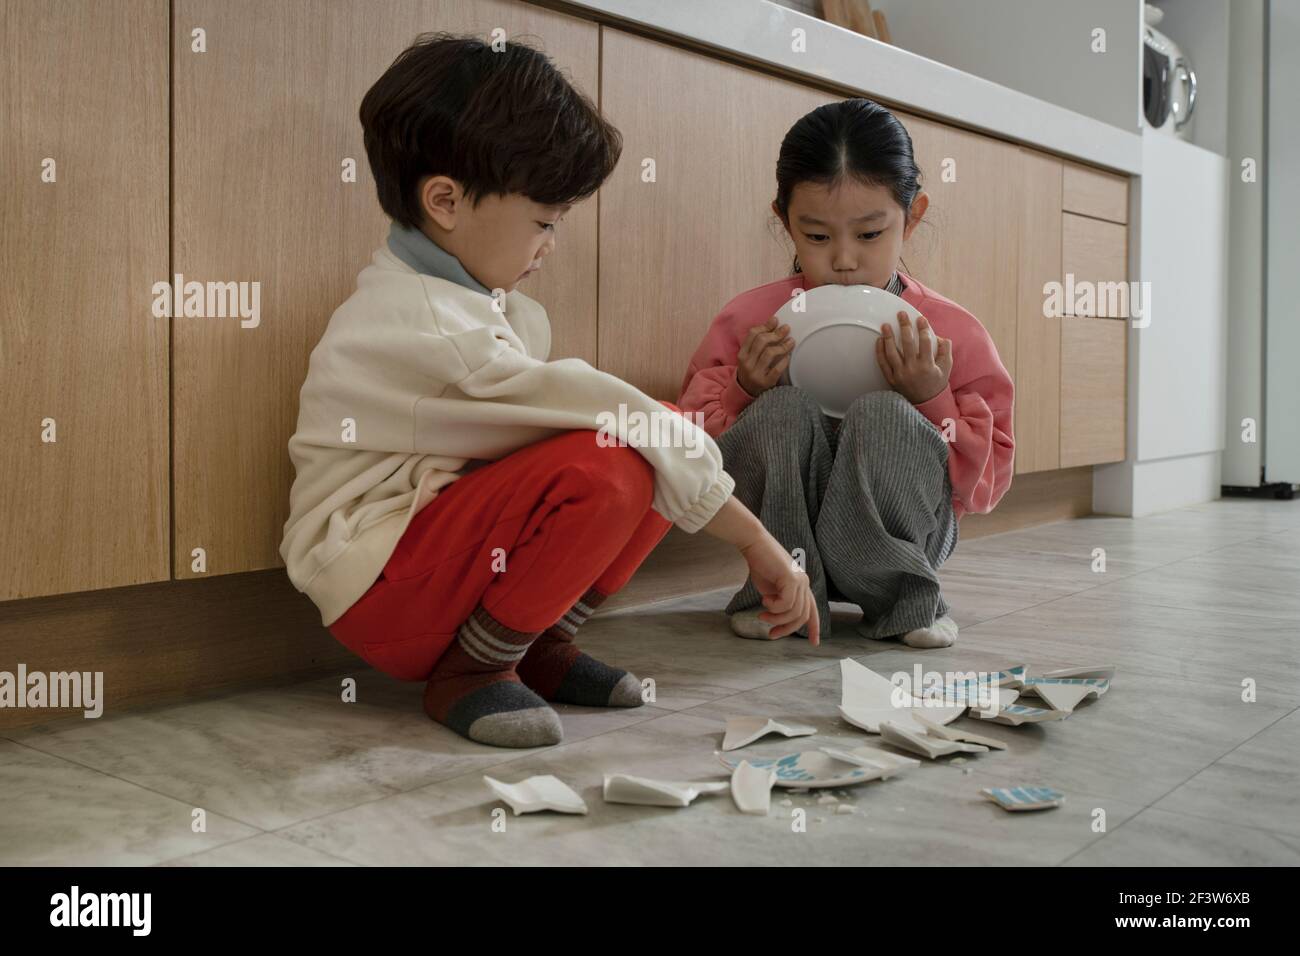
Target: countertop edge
<point x="760" y="32"/>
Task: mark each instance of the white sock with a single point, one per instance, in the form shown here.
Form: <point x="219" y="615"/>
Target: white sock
<point x="942" y="633"/>
<point x="745" y="623"/>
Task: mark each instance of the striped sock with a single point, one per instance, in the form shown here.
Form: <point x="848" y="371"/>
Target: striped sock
<point x="558" y="671"/>
<point x="475" y="691"/>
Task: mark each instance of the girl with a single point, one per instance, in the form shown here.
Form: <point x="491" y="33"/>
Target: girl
<point x="872" y="501"/>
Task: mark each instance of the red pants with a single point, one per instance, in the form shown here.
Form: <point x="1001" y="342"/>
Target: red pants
<point x="566" y="514"/>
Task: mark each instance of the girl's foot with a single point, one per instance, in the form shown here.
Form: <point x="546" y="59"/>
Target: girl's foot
<point x="942" y="633"/>
<point x="745" y="623"/>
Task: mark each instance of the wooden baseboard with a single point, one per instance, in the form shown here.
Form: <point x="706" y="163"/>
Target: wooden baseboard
<point x="170" y="641"/>
<point x="180" y="640"/>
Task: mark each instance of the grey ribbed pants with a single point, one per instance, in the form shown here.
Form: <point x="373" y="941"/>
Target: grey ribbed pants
<point x="868" y="499"/>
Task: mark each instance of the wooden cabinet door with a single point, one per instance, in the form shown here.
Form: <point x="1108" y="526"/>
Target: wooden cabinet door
<point x="264" y="121"/>
<point x="1093" y="377"/>
<point x="966" y="247"/>
<point x="674" y="250"/>
<point x="83" y="360"/>
<point x="1038" y="335"/>
<point x="1094" y="251"/>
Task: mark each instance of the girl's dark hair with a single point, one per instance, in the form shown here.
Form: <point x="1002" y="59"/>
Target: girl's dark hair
<point x="852" y="139"/>
<point x="496" y="121"/>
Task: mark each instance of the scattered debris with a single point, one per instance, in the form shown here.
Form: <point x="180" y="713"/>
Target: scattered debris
<point x="867" y="699"/>
<point x="1096" y="672"/>
<point x="537" y="793"/>
<point x="1017" y="714"/>
<point x="827" y="800"/>
<point x="642" y="791"/>
<point x="846" y="808"/>
<point x="1066" y="693"/>
<point x="751" y="788"/>
<point x="923" y="744"/>
<point x="745" y="730"/>
<point x="1024" y="798"/>
<point x="956" y="733"/>
<point x="828" y="767"/>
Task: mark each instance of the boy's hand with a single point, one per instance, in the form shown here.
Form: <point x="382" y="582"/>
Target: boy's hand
<point x="913" y="365"/>
<point x="786" y="593"/>
<point x="763" y="357"/>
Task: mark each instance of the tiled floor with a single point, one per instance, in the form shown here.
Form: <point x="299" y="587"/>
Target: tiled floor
<point x="1191" y="604"/>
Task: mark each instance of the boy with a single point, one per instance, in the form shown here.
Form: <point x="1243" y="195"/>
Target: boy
<point x="454" y="516"/>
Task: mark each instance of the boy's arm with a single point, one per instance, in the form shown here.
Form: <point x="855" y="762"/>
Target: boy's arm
<point x="515" y="400"/>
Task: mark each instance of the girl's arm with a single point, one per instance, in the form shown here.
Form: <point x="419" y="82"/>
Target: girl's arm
<point x="710" y="385"/>
<point x="972" y="409"/>
<point x="982" y="452"/>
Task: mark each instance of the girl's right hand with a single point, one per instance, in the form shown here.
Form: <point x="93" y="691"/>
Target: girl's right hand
<point x="786" y="592"/>
<point x="763" y="357"/>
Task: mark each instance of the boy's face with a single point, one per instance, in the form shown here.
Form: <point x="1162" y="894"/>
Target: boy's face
<point x="849" y="234"/>
<point x="500" y="241"/>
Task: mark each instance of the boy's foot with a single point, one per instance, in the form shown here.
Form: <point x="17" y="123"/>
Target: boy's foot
<point x="559" y="672"/>
<point x="474" y="689"/>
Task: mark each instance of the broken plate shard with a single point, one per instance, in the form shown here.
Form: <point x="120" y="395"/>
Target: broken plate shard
<point x="1097" y="672"/>
<point x="537" y="793"/>
<point x="828" y="767"/>
<point x="642" y="791"/>
<point x="1065" y="693"/>
<point x="977" y="690"/>
<point x="956" y="733"/>
<point x="1024" y="798"/>
<point x="873" y="758"/>
<point x="1018" y="714"/>
<point x="866" y="699"/>
<point x="751" y="788"/>
<point x="923" y="744"/>
<point x="745" y="730"/>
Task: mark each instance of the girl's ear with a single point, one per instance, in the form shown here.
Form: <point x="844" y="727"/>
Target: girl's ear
<point x="776" y="211"/>
<point x="914" y="216"/>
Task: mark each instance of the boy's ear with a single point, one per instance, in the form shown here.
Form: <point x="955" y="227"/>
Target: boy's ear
<point x="441" y="199"/>
<point x="914" y="215"/>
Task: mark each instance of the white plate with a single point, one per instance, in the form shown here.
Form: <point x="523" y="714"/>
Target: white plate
<point x="834" y="357"/>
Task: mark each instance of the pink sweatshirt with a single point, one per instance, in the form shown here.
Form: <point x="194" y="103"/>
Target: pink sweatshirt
<point x="979" y="397"/>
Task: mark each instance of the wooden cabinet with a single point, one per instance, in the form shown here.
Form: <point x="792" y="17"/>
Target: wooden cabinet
<point x="1094" y="252"/>
<point x="263" y="124"/>
<point x="1094" y="192"/>
<point x="1038" y="334"/>
<point x="1093" y="405"/>
<point x="681" y="237"/>
<point x="83" y="360"/>
<point x="966" y="247"/>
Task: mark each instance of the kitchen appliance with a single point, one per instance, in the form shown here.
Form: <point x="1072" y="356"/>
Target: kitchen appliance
<point x="1168" y="80"/>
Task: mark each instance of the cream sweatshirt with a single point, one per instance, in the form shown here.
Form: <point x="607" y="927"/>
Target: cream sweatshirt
<point x="414" y="377"/>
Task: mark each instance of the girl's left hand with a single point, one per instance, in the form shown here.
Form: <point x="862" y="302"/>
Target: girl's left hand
<point x="913" y="364"/>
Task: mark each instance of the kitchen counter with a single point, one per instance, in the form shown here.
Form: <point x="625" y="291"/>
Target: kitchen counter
<point x="761" y="33"/>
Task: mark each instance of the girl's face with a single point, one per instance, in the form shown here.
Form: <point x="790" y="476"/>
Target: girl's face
<point x="500" y="242"/>
<point x="850" y="233"/>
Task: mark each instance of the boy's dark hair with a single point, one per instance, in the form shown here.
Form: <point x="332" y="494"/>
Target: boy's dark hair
<point x="496" y="122"/>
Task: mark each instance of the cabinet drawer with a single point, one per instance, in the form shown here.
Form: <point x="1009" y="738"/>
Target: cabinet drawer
<point x="1093" y="383"/>
<point x="1091" y="192"/>
<point x="1097" y="252"/>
